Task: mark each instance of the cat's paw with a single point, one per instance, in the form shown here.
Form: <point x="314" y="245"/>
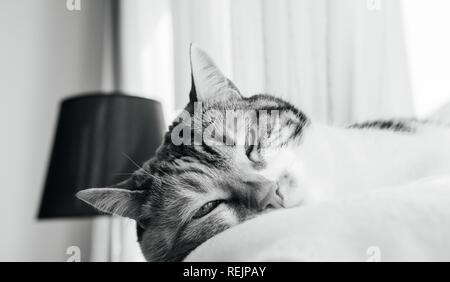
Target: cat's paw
<point x="289" y="190"/>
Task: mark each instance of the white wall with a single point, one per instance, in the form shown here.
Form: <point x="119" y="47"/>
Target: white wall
<point x="46" y="53"/>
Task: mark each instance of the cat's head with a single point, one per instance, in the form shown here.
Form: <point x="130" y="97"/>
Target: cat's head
<point x="195" y="187"/>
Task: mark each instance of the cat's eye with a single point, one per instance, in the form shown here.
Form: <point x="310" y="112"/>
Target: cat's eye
<point x="207" y="208"/>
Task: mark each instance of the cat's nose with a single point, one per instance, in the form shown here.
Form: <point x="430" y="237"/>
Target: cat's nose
<point x="270" y="198"/>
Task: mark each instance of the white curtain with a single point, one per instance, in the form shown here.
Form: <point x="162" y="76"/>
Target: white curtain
<point x="340" y="61"/>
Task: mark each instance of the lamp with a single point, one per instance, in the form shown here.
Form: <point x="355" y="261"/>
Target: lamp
<point x="99" y="140"/>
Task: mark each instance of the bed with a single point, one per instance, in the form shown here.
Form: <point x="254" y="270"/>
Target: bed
<point x="403" y="223"/>
<point x="407" y="223"/>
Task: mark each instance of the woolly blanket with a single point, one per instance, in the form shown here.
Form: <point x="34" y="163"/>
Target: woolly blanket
<point x="404" y="223"/>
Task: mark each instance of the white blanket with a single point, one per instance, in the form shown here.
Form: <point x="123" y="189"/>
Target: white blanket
<point x="405" y="223"/>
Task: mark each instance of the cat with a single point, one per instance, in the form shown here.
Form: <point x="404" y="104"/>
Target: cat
<point x="192" y="190"/>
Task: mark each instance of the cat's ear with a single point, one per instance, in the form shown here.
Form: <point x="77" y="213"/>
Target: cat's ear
<point x="208" y="82"/>
<point x="116" y="201"/>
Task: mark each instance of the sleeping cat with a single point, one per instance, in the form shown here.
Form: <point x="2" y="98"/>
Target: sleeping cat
<point x="194" y="188"/>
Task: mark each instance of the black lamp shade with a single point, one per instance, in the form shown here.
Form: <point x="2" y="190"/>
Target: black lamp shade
<point x="97" y="135"/>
